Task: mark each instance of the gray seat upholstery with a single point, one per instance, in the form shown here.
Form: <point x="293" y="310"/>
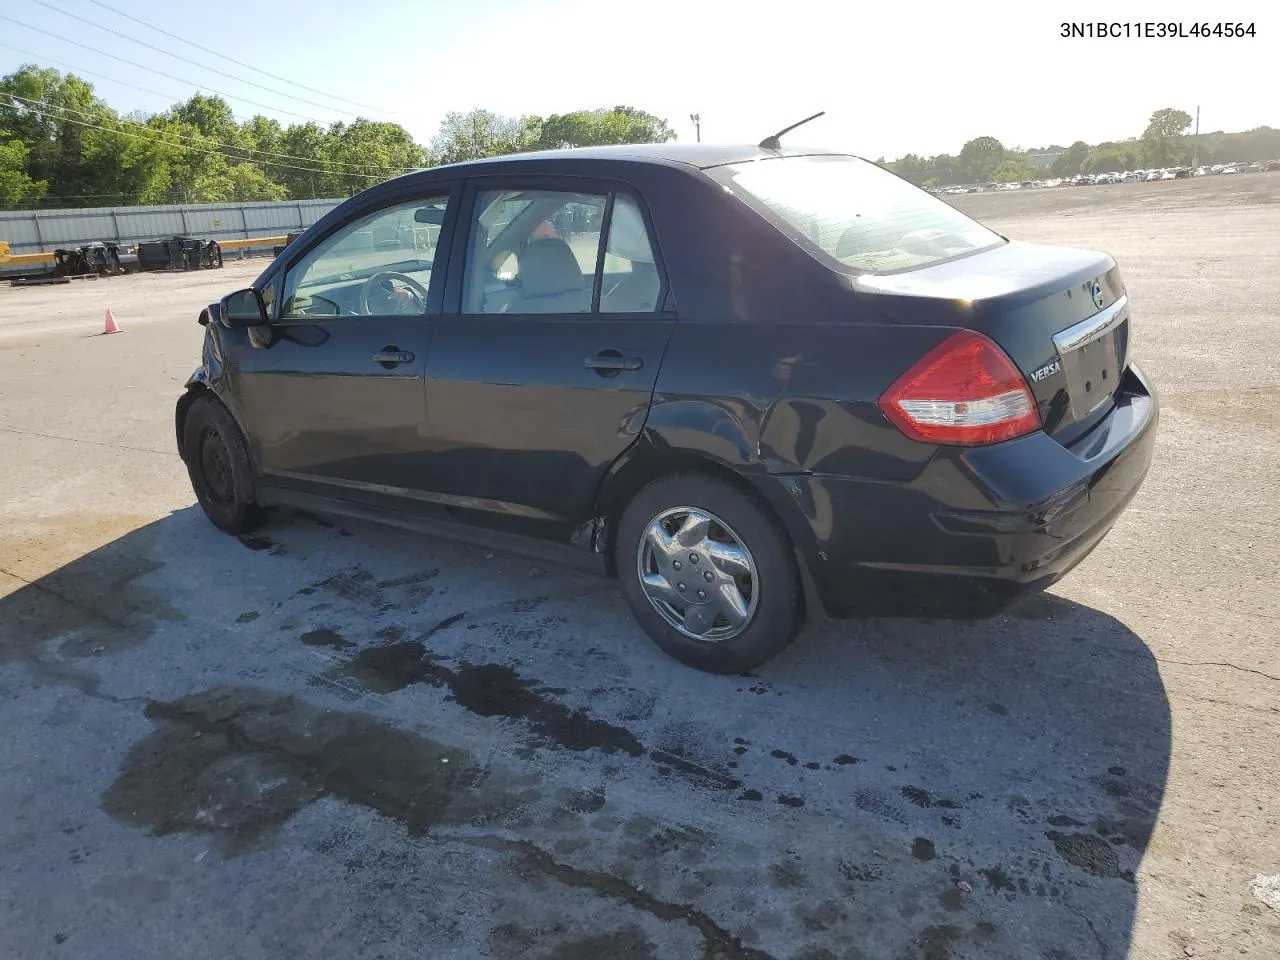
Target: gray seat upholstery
<point x="551" y="280"/>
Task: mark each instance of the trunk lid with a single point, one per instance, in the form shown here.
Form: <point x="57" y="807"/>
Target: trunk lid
<point x="1061" y="315"/>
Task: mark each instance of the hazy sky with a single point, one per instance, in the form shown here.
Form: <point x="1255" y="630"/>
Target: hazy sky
<point x="893" y="77"/>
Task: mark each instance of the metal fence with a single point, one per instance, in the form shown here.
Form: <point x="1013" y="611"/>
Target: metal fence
<point x="43" y="231"/>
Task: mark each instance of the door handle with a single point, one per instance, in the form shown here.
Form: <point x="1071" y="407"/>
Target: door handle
<point x="392" y="357"/>
<point x="611" y="361"/>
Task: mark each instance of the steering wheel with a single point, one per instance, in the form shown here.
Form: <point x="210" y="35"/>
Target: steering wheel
<point x="381" y="284"/>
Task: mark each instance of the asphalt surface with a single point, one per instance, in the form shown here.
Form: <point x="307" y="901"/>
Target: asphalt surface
<point x="332" y="739"/>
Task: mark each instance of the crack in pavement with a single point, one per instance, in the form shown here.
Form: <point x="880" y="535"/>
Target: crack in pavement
<point x="96" y="443"/>
<point x="1104" y="952"/>
<point x="717" y="942"/>
<point x="1219" y="663"/>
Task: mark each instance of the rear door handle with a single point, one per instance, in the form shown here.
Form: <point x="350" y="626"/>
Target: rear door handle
<point x="611" y="361"/>
<point x="392" y="357"/>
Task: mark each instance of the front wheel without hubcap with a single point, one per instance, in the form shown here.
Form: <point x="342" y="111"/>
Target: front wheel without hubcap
<point x="217" y="459"/>
<point x="708" y="573"/>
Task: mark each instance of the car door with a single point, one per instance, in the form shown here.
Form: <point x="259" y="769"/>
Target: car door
<point x="543" y="365"/>
<point x="333" y="393"/>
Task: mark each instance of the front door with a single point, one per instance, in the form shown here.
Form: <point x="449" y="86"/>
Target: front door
<point x="333" y="394"/>
<point x="542" y="370"/>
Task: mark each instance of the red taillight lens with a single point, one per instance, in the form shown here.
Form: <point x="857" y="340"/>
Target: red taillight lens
<point x="964" y="391"/>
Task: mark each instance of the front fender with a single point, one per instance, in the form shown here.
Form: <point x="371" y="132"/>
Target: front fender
<point x="197" y="384"/>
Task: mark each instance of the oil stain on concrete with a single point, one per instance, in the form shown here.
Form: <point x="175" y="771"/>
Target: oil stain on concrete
<point x="238" y="762"/>
<point x="489" y="690"/>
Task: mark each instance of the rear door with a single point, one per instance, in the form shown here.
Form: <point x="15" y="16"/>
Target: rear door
<point x="333" y="394"/>
<point x="542" y="368"/>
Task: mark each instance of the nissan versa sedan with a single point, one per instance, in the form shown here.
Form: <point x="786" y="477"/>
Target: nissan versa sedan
<point x="753" y="384"/>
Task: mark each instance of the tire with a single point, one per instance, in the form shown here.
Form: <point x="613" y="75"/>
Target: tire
<point x="773" y="600"/>
<point x="218" y="463"/>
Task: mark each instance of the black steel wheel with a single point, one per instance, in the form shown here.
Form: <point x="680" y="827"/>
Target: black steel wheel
<point x="218" y="463"/>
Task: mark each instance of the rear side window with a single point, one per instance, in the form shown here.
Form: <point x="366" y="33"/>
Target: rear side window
<point x="559" y="252"/>
<point x="855" y="215"/>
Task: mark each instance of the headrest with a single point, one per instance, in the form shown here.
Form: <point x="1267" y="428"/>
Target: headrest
<point x="548" y="266"/>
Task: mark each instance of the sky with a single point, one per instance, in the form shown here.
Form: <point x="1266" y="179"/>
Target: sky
<point x="893" y="78"/>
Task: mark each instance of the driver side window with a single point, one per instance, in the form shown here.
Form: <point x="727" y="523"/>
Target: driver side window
<point x="378" y="265"/>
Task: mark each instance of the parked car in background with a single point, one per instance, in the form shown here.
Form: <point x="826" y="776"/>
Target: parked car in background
<point x="1271" y="165"/>
<point x="753" y="384"/>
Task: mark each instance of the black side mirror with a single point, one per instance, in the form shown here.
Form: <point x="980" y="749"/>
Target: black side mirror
<point x="244" y="308"/>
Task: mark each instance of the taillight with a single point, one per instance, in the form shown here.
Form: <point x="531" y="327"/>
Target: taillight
<point x="964" y="391"/>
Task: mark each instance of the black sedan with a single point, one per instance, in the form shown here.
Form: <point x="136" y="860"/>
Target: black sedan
<point x="751" y="383"/>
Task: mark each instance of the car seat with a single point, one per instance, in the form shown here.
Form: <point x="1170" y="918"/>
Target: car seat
<point x="551" y="280"/>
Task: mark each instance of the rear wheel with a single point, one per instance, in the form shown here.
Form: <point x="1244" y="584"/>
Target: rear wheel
<point x="218" y="463"/>
<point x="708" y="573"/>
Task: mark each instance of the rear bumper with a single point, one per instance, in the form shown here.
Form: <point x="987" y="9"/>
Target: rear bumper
<point x="978" y="529"/>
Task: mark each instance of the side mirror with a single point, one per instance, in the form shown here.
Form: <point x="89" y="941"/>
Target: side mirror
<point x="244" y="308"/>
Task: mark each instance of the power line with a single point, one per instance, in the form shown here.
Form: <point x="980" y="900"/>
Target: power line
<point x="202" y="66"/>
<point x="228" y="146"/>
<point x="161" y="73"/>
<point x="41" y="59"/>
<point x="239" y="63"/>
<point x="215" y="153"/>
<point x="91" y="73"/>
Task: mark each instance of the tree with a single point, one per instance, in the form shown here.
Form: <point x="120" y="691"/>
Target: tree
<point x="1069" y="162"/>
<point x="911" y="167"/>
<point x="1014" y="170"/>
<point x="367" y="151"/>
<point x="945" y="169"/>
<point x="16" y="188"/>
<point x="480" y="133"/>
<point x="1162" y="140"/>
<point x="1110" y="158"/>
<point x="592" y="128"/>
<point x="981" y="156"/>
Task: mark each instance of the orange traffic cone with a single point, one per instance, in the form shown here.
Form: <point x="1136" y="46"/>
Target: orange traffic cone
<point x="111" y="326"/>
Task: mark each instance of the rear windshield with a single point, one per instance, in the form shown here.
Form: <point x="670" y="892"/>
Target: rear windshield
<point x="854" y="214"/>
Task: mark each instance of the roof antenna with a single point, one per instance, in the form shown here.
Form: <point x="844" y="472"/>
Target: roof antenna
<point x="775" y="142"/>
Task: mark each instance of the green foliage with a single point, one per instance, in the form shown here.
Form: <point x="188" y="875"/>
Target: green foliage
<point x="1162" y="141"/>
<point x="1014" y="170"/>
<point x="911" y="167"/>
<point x="61" y="145"/>
<point x="981" y="156"/>
<point x="478" y="134"/>
<point x="594" y="128"/>
<point x="16" y="188"/>
<point x="1112" y="158"/>
<point x="1071" y="160"/>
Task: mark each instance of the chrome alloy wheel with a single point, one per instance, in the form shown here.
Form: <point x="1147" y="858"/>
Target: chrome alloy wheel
<point x="698" y="574"/>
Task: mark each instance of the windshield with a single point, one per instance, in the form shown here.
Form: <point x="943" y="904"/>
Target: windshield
<point x="854" y="213"/>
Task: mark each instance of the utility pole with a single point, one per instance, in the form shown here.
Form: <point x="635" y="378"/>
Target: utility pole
<point x="697" y="125"/>
<point x="1195" y="144"/>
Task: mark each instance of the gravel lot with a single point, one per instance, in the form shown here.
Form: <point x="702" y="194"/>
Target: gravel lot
<point x="338" y="740"/>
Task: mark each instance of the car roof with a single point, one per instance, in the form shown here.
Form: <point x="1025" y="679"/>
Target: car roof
<point x="700" y="155"/>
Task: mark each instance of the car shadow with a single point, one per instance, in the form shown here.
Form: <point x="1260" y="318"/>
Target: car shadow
<point x="882" y="789"/>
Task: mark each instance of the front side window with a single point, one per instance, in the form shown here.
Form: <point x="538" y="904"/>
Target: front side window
<point x="378" y="265"/>
<point x="539" y="251"/>
<point x="855" y="214"/>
